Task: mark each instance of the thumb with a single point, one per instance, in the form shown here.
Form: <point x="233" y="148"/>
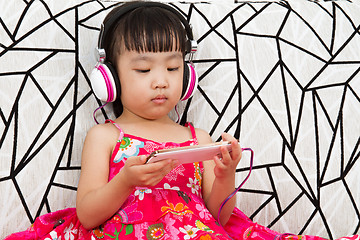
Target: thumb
<point x="227" y="137"/>
<point x="138" y="160"/>
<point x="142" y="159"/>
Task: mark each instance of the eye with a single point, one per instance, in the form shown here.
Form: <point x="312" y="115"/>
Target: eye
<point x="173" y="69"/>
<point x="142" y="70"/>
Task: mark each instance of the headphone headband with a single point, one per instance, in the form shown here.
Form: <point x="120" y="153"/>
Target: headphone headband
<point x="191" y="45"/>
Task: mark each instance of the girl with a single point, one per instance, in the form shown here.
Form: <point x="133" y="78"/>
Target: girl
<point x="119" y="195"/>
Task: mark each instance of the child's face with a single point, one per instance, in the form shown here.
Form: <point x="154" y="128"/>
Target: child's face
<point x="151" y="82"/>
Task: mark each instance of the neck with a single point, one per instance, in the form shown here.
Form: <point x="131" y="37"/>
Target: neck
<point x="128" y="117"/>
<point x="160" y="130"/>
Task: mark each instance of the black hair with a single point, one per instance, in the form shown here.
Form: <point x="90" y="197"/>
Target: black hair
<point x="144" y="29"/>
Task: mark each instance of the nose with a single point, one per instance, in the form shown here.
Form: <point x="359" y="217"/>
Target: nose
<point x="160" y="80"/>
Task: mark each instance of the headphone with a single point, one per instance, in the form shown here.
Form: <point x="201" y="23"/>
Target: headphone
<point x="104" y="78"/>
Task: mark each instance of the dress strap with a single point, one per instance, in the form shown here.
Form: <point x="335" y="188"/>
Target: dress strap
<point x="118" y="142"/>
<point x="121" y="135"/>
<point x="192" y="129"/>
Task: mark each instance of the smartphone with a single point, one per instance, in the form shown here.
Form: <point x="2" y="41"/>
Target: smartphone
<point x="189" y="154"/>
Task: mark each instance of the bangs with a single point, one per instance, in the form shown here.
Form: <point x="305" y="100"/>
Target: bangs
<point x="152" y="32"/>
<point x="151" y="29"/>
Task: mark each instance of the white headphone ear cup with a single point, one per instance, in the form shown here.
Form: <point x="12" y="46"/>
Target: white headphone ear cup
<point x="191" y="78"/>
<point x="103" y="83"/>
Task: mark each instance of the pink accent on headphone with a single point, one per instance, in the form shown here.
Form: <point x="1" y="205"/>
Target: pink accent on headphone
<point x="192" y="83"/>
<point x="107" y="82"/>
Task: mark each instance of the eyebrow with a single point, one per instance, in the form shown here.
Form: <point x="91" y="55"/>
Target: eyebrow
<point x="144" y="57"/>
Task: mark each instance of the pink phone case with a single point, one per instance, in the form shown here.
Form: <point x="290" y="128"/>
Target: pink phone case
<point x="197" y="153"/>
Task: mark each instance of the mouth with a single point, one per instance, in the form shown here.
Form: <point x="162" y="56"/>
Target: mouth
<point x="159" y="99"/>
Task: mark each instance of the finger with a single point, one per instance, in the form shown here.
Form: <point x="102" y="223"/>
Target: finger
<point x="136" y="160"/>
<point x="151" y="178"/>
<point x="160" y="173"/>
<point x="162" y="165"/>
<point x="227" y="137"/>
<point x="142" y="159"/>
<point x="236" y="151"/>
<point x="218" y="161"/>
<point x="226" y="157"/>
<point x="175" y="163"/>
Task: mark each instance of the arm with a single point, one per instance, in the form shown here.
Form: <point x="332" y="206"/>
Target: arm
<point x="219" y="181"/>
<point x="97" y="199"/>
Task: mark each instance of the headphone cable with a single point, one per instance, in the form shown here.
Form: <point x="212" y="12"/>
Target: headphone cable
<point x="243" y="182"/>
<point x="97" y="110"/>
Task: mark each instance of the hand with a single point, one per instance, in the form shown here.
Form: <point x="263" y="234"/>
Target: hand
<point x="138" y="174"/>
<point x="226" y="167"/>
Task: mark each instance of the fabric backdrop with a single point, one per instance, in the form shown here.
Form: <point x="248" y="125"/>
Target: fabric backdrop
<point x="283" y="77"/>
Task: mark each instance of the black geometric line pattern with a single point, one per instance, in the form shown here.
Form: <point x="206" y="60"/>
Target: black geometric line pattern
<point x="283" y="77"/>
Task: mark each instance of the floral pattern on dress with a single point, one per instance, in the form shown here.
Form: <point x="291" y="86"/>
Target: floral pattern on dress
<point x="70" y="232"/>
<point x="151" y="146"/>
<point x="53" y="236"/>
<point x="200" y="225"/>
<point x="189" y="231"/>
<point x="178" y="209"/>
<point x="172" y="230"/>
<point x="129" y="147"/>
<point x="167" y="186"/>
<point x="99" y="232"/>
<point x="174" y="174"/>
<point x="203" y="212"/>
<point x="141" y="192"/>
<point x="197" y="173"/>
<point x="155" y="231"/>
<point x="129" y="213"/>
<point x="193" y="185"/>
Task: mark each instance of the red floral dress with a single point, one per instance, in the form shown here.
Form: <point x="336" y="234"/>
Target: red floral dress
<point x="173" y="209"/>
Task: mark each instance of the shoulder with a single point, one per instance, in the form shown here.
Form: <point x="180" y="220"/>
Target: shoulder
<point x="203" y="137"/>
<point x="99" y="143"/>
<point x="102" y="134"/>
<point x="101" y="130"/>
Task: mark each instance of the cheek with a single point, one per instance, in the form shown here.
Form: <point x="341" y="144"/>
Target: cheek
<point x="134" y="90"/>
<point x="180" y="88"/>
<point x="127" y="91"/>
<point x="126" y="82"/>
<point x="181" y="85"/>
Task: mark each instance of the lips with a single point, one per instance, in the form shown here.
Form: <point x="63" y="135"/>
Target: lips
<point x="159" y="99"/>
